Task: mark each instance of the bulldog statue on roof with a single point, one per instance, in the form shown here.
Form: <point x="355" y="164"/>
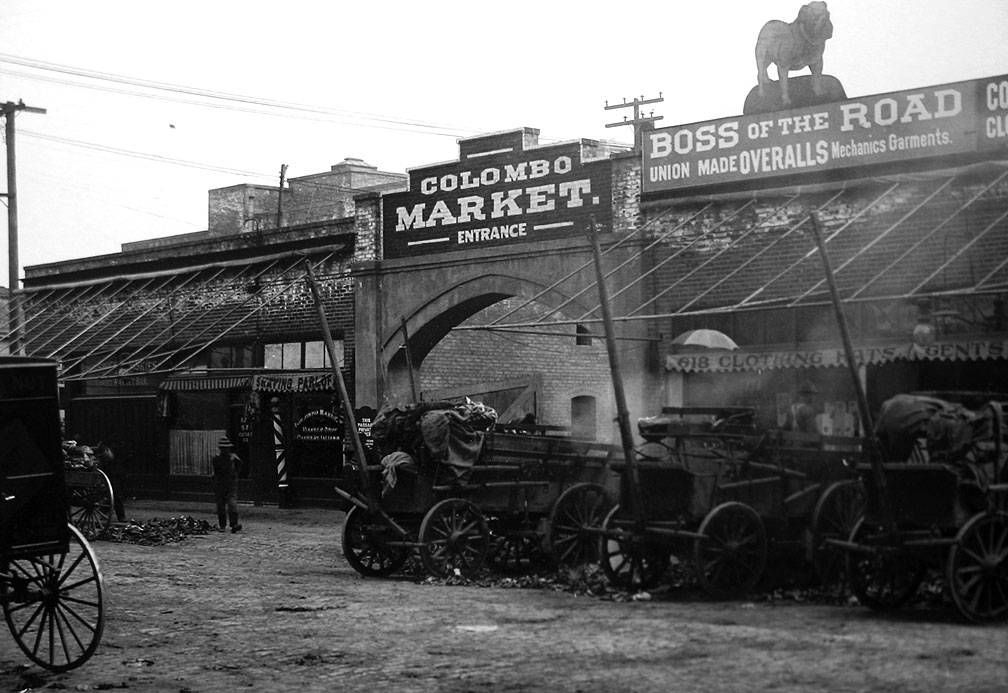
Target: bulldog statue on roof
<point x="793" y="46"/>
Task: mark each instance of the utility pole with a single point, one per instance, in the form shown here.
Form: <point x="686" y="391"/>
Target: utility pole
<point x="283" y="176"/>
<point x="13" y="263"/>
<point x="640" y="122"/>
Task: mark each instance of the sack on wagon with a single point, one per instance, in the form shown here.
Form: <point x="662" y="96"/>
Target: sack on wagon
<point x="918" y="428"/>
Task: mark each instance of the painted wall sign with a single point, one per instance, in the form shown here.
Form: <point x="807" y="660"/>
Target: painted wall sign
<point x="729" y="361"/>
<point x="289" y="382"/>
<point x="501" y="191"/>
<point x="958" y="118"/>
<point x="319" y="426"/>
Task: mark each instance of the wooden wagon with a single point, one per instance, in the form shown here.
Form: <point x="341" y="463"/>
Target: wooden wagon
<point x="50" y="584"/>
<point x="947" y="512"/>
<point x="715" y="490"/>
<point x="524" y="494"/>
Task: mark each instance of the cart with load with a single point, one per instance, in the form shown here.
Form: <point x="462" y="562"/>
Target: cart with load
<point x="710" y="487"/>
<point x="50" y="584"/>
<point x="89" y="491"/>
<point x="936" y="499"/>
<point x="461" y="492"/>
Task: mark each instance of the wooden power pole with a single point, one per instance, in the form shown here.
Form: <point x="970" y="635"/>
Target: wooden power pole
<point x="640" y="122"/>
<point x="13" y="263"/>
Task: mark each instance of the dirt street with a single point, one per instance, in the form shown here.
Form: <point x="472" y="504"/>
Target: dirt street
<point x="276" y="608"/>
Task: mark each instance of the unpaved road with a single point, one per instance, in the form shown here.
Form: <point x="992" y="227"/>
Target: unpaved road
<point x="276" y="608"/>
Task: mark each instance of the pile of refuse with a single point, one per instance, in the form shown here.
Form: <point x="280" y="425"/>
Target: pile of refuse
<point x="157" y="532"/>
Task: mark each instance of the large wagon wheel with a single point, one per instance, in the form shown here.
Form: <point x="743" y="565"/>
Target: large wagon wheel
<point x="885" y="577"/>
<point x="365" y="546"/>
<point x="839" y="508"/>
<point x="731" y="556"/>
<point x="454" y="537"/>
<point x="53" y="605"/>
<point x="628" y="559"/>
<point x="515" y="552"/>
<point x="977" y="570"/>
<point x="579" y="509"/>
<point x="91" y="504"/>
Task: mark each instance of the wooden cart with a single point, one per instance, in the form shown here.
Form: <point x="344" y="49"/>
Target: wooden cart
<point x="525" y="495"/>
<point x="948" y="514"/>
<point x="715" y="490"/>
<point x="50" y="584"/>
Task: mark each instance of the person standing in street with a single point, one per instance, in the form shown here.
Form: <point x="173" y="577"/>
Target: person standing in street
<point x="225" y="477"/>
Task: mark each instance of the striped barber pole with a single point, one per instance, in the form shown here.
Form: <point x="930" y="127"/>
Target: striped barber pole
<point x="278" y="447"/>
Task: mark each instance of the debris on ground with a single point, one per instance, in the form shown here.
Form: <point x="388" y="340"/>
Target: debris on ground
<point x="155" y="532"/>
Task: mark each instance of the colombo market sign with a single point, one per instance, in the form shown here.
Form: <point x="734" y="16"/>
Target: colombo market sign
<point x="500" y="192"/>
<point x="951" y="119"/>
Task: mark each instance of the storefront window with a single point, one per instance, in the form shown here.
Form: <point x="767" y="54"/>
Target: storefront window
<point x="295" y="355"/>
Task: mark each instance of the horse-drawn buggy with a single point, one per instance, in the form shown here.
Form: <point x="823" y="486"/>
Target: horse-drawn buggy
<point x="710" y="487"/>
<point x="936" y="499"/>
<point x="50" y="584"/>
<point x="462" y="492"/>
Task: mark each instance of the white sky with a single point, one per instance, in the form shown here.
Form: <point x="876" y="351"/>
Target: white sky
<point x="463" y="67"/>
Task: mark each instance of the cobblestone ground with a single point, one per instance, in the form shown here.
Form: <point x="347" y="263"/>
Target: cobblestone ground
<point x="276" y="608"/>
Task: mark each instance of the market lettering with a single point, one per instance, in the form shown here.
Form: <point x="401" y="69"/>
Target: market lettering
<point x="906" y="108"/>
<point x="491" y="233"/>
<point x="531" y="200"/>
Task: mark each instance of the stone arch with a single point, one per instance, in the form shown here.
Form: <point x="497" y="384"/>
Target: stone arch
<point x="428" y="323"/>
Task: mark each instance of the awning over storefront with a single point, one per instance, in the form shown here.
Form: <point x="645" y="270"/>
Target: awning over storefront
<point x="723" y="361"/>
<point x="272" y="381"/>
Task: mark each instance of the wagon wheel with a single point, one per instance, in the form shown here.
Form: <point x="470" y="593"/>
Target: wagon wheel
<point x="514" y="552"/>
<point x="454" y="536"/>
<point x="577" y="511"/>
<point x="365" y="548"/>
<point x="837" y="511"/>
<point x="732" y="554"/>
<point x="628" y="559"/>
<point x="53" y="605"/>
<point x="91" y="505"/>
<point x="977" y="570"/>
<point x="885" y="577"/>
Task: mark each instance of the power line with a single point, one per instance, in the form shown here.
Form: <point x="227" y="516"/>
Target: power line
<point x="432" y="128"/>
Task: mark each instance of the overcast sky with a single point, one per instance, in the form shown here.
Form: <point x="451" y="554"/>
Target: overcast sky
<point x="393" y="83"/>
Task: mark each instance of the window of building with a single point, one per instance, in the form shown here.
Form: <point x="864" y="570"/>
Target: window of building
<point x="583" y="338"/>
<point x="297" y="355"/>
<point x="583" y="417"/>
<point x="224" y="356"/>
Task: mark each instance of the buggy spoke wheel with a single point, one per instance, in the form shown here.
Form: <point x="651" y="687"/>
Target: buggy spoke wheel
<point x="885" y="577"/>
<point x="454" y="537"/>
<point x="977" y="570"/>
<point x="515" y="552"/>
<point x="579" y="509"/>
<point x="91" y="505"/>
<point x="837" y="511"/>
<point x="53" y="605"/>
<point x="629" y="560"/>
<point x="731" y="556"/>
<point x="365" y="547"/>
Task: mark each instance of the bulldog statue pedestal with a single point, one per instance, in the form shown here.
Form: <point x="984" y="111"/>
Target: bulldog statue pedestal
<point x="799" y="89"/>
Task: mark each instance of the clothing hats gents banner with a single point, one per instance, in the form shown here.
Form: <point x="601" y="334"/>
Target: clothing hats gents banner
<point x="505" y="189"/>
<point x="962" y="118"/>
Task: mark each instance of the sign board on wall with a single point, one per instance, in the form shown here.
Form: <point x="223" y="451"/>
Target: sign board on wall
<point x="950" y="119"/>
<point x="501" y="192"/>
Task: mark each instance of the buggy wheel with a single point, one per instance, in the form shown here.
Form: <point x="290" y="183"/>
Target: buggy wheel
<point x="91" y="505"/>
<point x="365" y="548"/>
<point x="628" y="559"/>
<point x="577" y="511"/>
<point x="53" y="605"/>
<point x="977" y="570"/>
<point x="885" y="577"/>
<point x="732" y="555"/>
<point x="454" y="537"/>
<point x="837" y="511"/>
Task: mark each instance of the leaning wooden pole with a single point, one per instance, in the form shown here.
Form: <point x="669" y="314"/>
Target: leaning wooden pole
<point x="622" y="416"/>
<point x="867" y="425"/>
<point x="409" y="361"/>
<point x="365" y="480"/>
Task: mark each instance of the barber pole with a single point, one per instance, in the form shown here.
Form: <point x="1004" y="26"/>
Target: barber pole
<point x="278" y="445"/>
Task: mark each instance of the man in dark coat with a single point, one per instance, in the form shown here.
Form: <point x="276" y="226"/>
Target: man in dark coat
<point x="225" y="476"/>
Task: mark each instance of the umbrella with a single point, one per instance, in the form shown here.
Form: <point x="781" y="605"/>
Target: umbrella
<point x="710" y="339"/>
